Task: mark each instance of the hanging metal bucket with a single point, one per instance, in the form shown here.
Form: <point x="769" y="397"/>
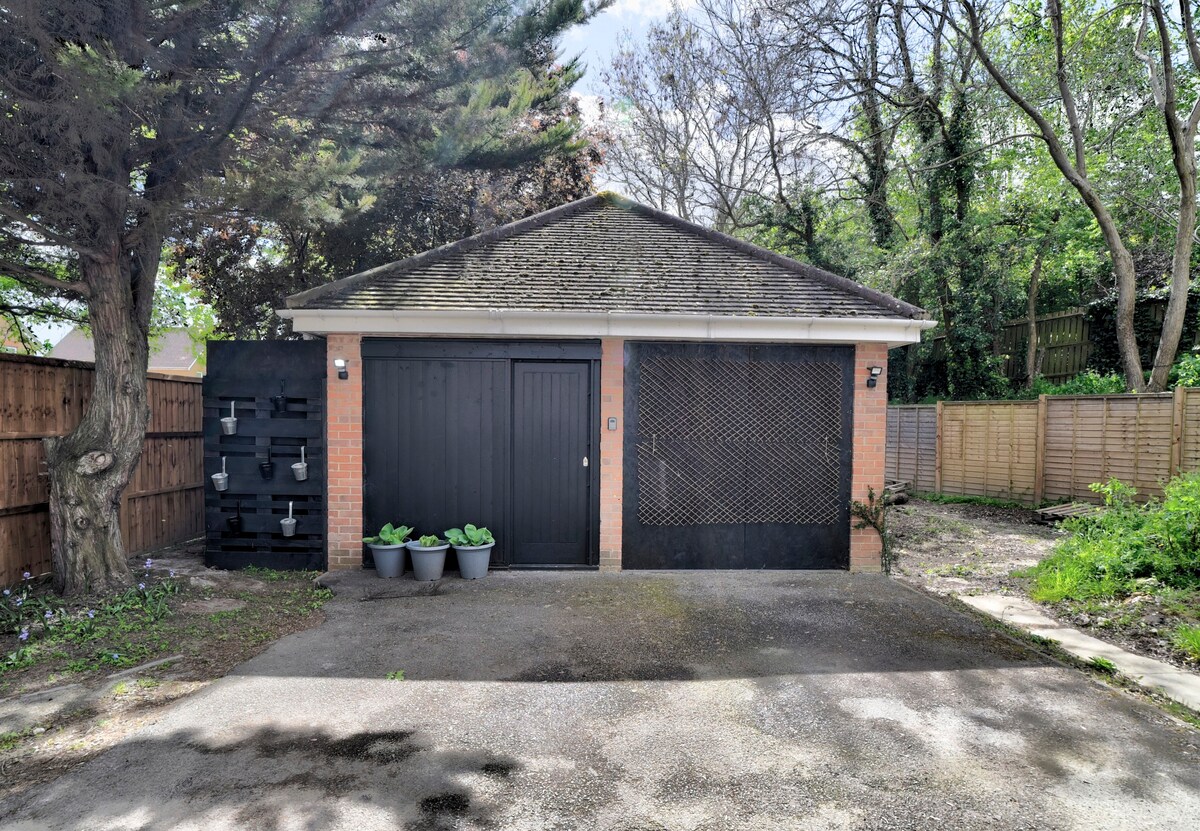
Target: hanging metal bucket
<point x="229" y="422"/>
<point x="221" y="480"/>
<point x="300" y="468"/>
<point x="287" y="525"/>
<point x="279" y="402"/>
<point x="235" y="522"/>
<point x="267" y="468"/>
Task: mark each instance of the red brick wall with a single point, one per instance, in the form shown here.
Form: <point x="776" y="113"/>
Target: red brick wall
<point x="343" y="424"/>
<point x="870" y="425"/>
<point x="612" y="405"/>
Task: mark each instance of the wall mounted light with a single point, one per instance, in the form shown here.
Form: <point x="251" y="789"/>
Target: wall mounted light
<point x="340" y="365"/>
<point x="873" y="378"/>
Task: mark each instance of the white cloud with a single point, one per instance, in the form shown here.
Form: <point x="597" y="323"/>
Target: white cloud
<point x="646" y="8"/>
<point x="589" y="108"/>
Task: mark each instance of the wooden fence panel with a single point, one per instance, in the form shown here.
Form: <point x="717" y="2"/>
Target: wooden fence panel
<point x="42" y="397"/>
<point x="989" y="449"/>
<point x="912" y="445"/>
<point x="1097" y="438"/>
<point x="1052" y="450"/>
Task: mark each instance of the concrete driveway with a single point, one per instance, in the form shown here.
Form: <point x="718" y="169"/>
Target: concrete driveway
<point x="720" y="700"/>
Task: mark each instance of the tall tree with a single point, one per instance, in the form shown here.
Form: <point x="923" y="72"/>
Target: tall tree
<point x="115" y="110"/>
<point x="1054" y="35"/>
<point x="706" y="112"/>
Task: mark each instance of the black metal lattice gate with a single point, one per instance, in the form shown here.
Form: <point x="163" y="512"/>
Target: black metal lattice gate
<point x="276" y="391"/>
<point x="737" y="456"/>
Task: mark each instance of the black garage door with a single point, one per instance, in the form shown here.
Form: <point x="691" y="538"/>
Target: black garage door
<point x="737" y="456"/>
<point x="499" y="434"/>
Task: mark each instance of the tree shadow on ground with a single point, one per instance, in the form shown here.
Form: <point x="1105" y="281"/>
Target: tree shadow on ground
<point x="272" y="779"/>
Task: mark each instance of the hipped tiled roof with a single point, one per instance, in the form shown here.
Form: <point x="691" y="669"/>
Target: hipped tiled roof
<point x="606" y="254"/>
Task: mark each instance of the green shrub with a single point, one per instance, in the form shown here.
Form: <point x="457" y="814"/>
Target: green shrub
<point x="1085" y="383"/>
<point x="1186" y="371"/>
<point x="1187" y="639"/>
<point x="1126" y="547"/>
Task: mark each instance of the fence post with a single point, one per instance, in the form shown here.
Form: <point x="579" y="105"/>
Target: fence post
<point x="1039" y="458"/>
<point x="1178" y="413"/>
<point x="937" y="452"/>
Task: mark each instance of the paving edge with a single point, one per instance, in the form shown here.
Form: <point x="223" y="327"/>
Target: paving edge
<point x="1176" y="684"/>
<point x="1052" y="650"/>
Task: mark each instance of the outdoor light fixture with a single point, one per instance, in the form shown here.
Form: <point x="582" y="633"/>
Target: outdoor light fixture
<point x="340" y="365"/>
<point x="875" y="371"/>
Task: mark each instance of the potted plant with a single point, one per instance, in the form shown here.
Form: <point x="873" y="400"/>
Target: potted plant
<point x="473" y="546"/>
<point x="428" y="557"/>
<point x="387" y="548"/>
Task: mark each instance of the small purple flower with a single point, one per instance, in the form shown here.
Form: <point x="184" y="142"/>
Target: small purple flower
<point x="26" y="576"/>
<point x="116" y="656"/>
<point x="24" y="636"/>
<point x="7" y="592"/>
<point x="49" y="614"/>
<point x="171" y="572"/>
<point x="149" y="562"/>
<point x="142" y="586"/>
<point x="92" y="613"/>
<point x="19" y="601"/>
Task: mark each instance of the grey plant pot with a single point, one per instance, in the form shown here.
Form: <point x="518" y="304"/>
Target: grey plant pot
<point x="389" y="559"/>
<point x="473" y="560"/>
<point x="428" y="563"/>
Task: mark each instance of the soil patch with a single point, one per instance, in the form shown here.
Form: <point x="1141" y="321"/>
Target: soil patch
<point x="212" y="620"/>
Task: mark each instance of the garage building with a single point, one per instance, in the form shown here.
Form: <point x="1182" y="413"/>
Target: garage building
<point x="605" y="385"/>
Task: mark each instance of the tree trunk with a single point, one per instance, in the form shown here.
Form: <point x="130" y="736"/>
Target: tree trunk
<point x="90" y="467"/>
<point x="1035" y="281"/>
<point x="1131" y="359"/>
<point x="1181" y="270"/>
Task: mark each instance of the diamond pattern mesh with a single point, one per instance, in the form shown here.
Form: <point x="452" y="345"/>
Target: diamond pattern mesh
<point x="723" y="441"/>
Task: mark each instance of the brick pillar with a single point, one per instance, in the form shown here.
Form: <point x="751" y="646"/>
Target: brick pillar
<point x="612" y="405"/>
<point x="344" y="435"/>
<point x="870" y="443"/>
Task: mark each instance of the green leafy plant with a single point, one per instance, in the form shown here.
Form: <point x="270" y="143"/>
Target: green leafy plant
<point x="1128" y="548"/>
<point x="873" y="514"/>
<point x="389" y="535"/>
<point x="395" y="675"/>
<point x="1102" y="665"/>
<point x="469" y="535"/>
<point x="1187" y="639"/>
<point x="1187" y="370"/>
<point x="429" y="541"/>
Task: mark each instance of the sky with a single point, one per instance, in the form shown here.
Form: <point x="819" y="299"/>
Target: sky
<point x="597" y="41"/>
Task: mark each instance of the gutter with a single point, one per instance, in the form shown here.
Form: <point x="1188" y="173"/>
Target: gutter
<point x="511" y="323"/>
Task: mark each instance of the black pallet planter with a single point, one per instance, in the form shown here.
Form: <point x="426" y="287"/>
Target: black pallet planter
<point x="249" y="374"/>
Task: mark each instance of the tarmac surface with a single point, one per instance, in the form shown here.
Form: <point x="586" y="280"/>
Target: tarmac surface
<point x="637" y="701"/>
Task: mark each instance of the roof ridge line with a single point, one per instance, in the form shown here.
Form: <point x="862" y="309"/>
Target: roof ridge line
<point x="500" y="232"/>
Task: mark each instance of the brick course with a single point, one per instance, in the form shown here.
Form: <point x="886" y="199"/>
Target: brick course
<point x="612" y="405"/>
<point x="344" y="411"/>
<point x="870" y="424"/>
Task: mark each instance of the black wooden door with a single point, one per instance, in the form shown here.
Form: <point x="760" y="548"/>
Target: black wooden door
<point x="483" y="432"/>
<point x="436" y="443"/>
<point x="737" y="456"/>
<point x="551" y="465"/>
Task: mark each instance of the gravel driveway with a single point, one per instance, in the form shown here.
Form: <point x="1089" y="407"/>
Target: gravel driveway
<point x="637" y="701"/>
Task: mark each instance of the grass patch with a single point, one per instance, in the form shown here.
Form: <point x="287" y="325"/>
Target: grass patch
<point x="1127" y="549"/>
<point x="953" y="499"/>
<point x="395" y="675"/>
<point x="44" y="639"/>
<point x="1102" y="665"/>
<point x="1187" y="639"/>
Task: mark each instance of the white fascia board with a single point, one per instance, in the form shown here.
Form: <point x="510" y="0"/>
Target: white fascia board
<point x="523" y="324"/>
